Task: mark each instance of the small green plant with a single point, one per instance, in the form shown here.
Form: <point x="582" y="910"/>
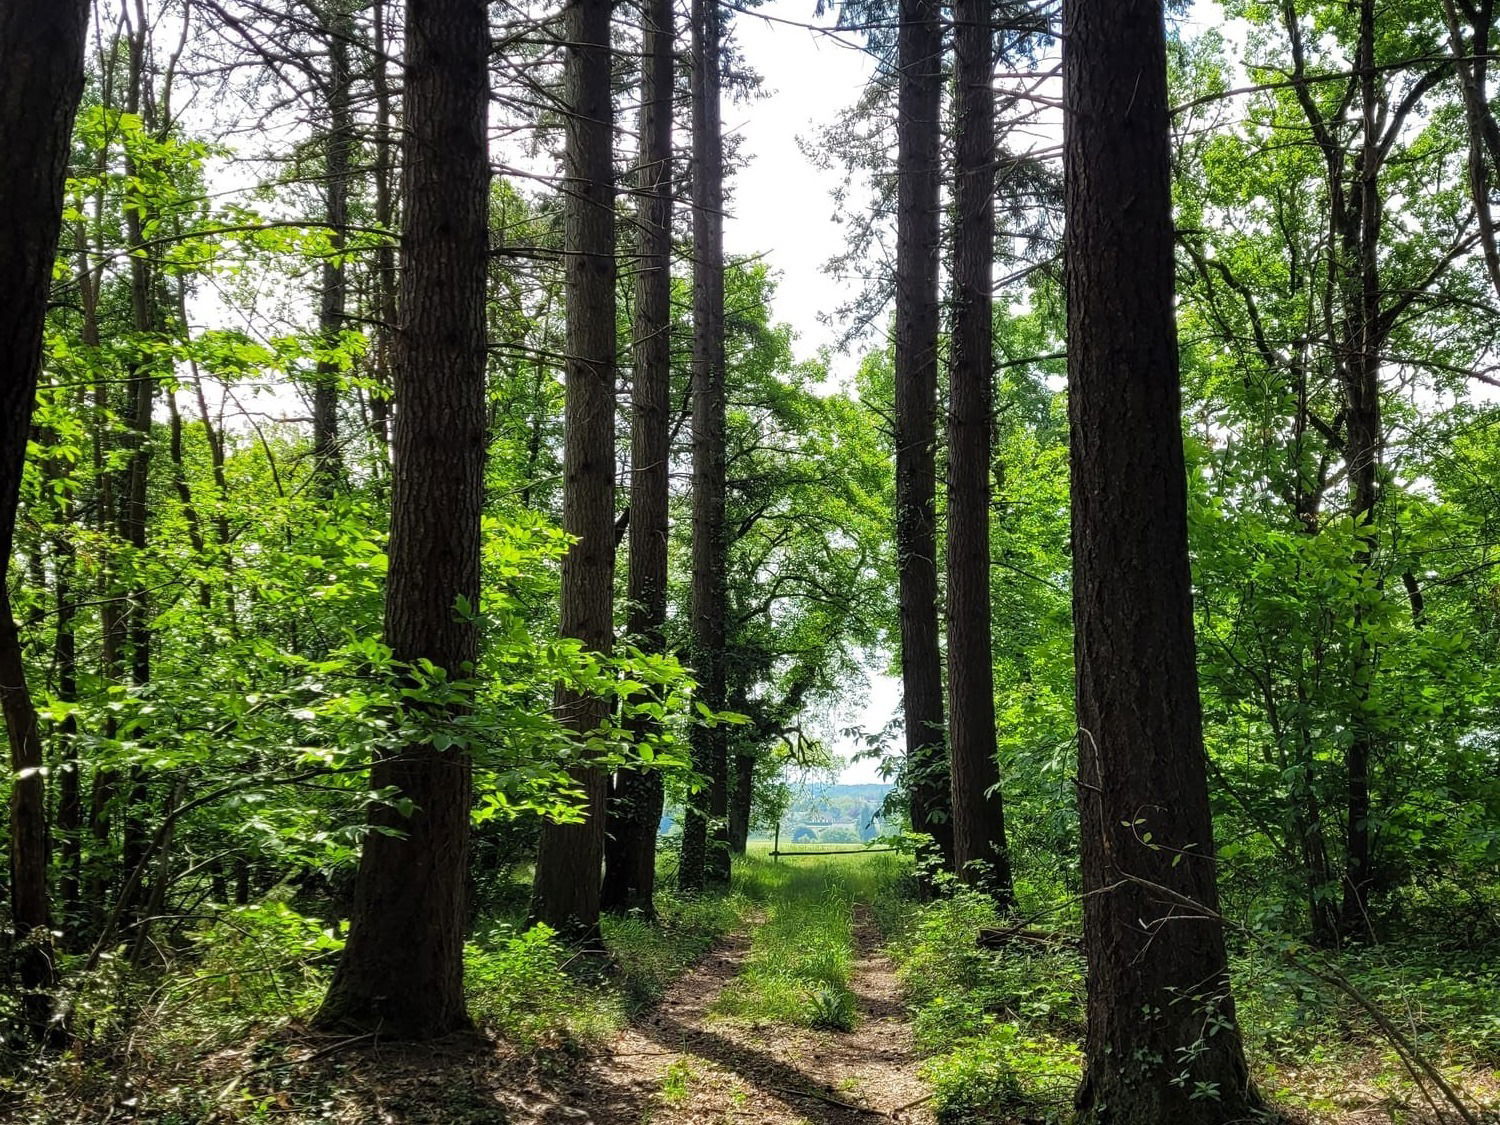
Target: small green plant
<point x="676" y="1083"/>
<point x="832" y="1009"/>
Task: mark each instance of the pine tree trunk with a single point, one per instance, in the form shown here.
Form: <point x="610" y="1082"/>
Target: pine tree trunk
<point x="338" y="141"/>
<point x="636" y="799"/>
<point x="1363" y="449"/>
<point x="134" y="494"/>
<point x="705" y="850"/>
<point x="402" y="967"/>
<point x="978" y="807"/>
<point x="1157" y="967"/>
<point x="919" y="142"/>
<point x="565" y="894"/>
<point x="41" y="78"/>
<point x="385" y="218"/>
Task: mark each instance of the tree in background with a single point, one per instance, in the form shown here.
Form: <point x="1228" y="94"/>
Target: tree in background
<point x="636" y="797"/>
<point x="980" y="854"/>
<point x="705" y="852"/>
<point x="570" y="853"/>
<point x="918" y="175"/>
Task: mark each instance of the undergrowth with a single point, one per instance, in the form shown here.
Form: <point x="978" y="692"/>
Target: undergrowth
<point x="183" y="1040"/>
<point x="1002" y="1030"/>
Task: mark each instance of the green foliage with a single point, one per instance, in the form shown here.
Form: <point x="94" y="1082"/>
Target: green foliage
<point x="1000" y="1028"/>
<point x="518" y="986"/>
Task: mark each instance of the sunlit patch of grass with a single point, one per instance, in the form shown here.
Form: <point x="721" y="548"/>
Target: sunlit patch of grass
<point x="797" y="970"/>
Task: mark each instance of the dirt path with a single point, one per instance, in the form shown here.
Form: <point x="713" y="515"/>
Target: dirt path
<point x="678" y="1065"/>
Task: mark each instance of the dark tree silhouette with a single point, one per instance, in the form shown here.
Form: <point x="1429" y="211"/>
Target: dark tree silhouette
<point x="636" y="798"/>
<point x="705" y="842"/>
<point x="979" y="849"/>
<point x="41" y="79"/>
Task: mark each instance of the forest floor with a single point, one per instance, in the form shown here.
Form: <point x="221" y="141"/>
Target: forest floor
<point x="814" y="992"/>
<point x="682" y="1065"/>
<point x="699" y="1056"/>
<point x="738" y="1038"/>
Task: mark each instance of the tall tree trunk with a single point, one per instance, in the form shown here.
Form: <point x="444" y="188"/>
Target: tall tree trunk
<point x="133" y="497"/>
<point x="338" y="142"/>
<point x="402" y="968"/>
<point x="1360" y="283"/>
<point x="69" y="765"/>
<point x="919" y="143"/>
<point x="710" y="530"/>
<point x="385" y="218"/>
<point x="1157" y="969"/>
<point x="636" y="799"/>
<point x="30" y="848"/>
<point x="978" y="807"/>
<point x="41" y="78"/>
<point x="705" y="850"/>
<point x="565" y="894"/>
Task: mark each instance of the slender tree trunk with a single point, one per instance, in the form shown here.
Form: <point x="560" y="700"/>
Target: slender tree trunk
<point x="385" y="218"/>
<point x="134" y="489"/>
<point x="705" y="853"/>
<point x="30" y="849"/>
<point x="69" y="765"/>
<point x="41" y="78"/>
<point x="1363" y="447"/>
<point x="636" y="800"/>
<point x="1157" y="968"/>
<point x="978" y="807"/>
<point x="565" y="894"/>
<point x="741" y="803"/>
<point x="919" y="142"/>
<point x="338" y="142"/>
<point x="402" y="968"/>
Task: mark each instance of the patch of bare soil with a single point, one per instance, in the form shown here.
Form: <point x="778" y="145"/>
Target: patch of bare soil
<point x="679" y="1066"/>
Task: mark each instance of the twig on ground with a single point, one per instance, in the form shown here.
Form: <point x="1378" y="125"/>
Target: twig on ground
<point x="829" y="1100"/>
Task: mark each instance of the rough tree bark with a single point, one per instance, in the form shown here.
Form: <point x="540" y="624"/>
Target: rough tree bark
<point x="402" y="968"/>
<point x="338" y="143"/>
<point x="41" y="79"/>
<point x="636" y="797"/>
<point x="565" y="894"/>
<point x="705" y="842"/>
<point x="1358" y="278"/>
<point x="978" y="807"/>
<point x="1161" y="1018"/>
<point x="919" y="142"/>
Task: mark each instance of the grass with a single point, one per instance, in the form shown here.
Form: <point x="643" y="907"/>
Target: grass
<point x="797" y="970"/>
<point x="531" y="989"/>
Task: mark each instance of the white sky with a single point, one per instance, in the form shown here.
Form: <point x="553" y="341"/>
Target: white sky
<point x="783" y="209"/>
